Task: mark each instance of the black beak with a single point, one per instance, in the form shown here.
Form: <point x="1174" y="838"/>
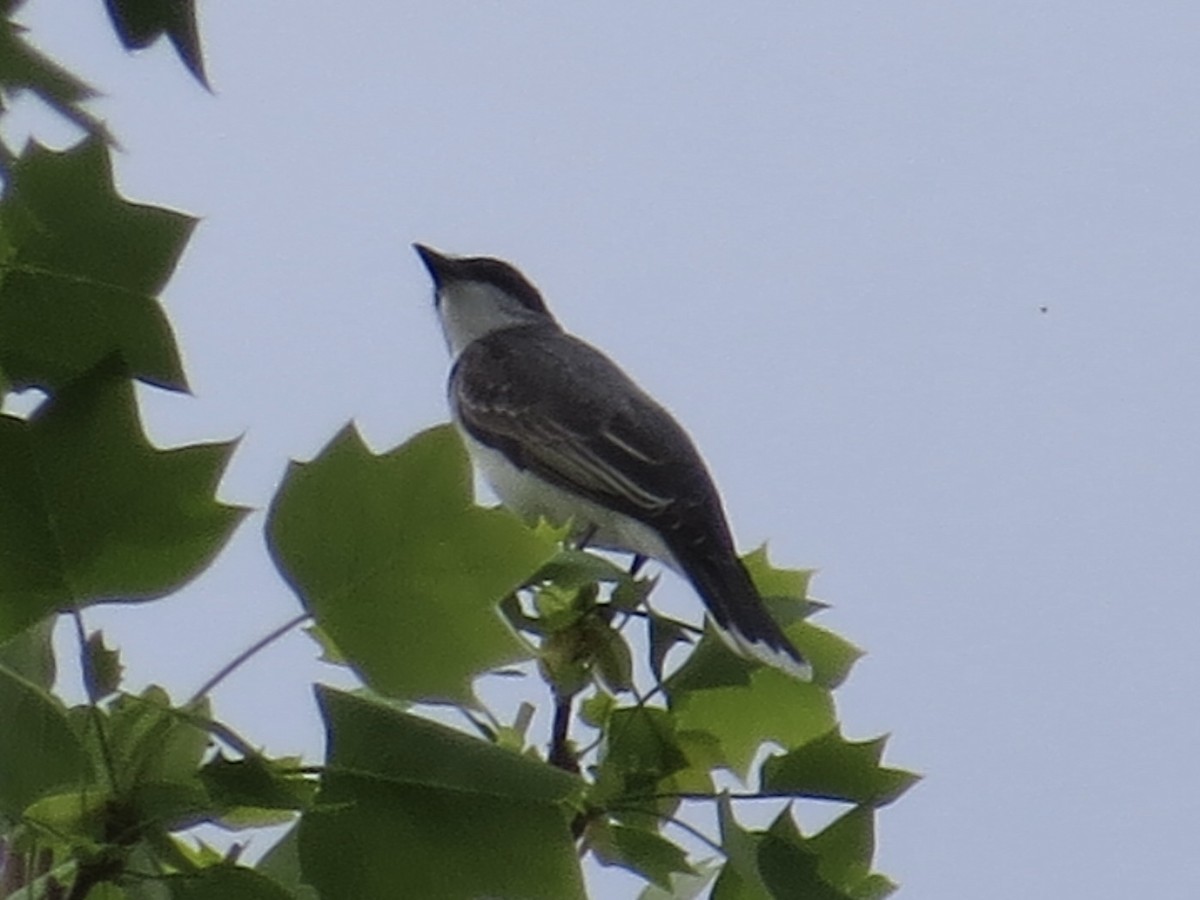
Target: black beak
<point x="437" y="264"/>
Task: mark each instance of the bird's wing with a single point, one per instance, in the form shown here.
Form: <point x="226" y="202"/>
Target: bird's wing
<point x="558" y="407"/>
<point x="561" y="409"/>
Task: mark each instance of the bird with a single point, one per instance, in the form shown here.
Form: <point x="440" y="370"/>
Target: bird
<point x="560" y="432"/>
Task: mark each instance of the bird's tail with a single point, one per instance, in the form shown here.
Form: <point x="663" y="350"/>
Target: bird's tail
<point x="740" y="615"/>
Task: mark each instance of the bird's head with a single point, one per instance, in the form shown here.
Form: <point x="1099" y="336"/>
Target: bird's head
<point x="476" y="295"/>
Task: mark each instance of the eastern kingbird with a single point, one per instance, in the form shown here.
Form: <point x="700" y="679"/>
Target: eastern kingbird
<point x="559" y="431"/>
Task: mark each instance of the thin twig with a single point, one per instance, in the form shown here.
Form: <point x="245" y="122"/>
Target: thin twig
<point x="588" y="748"/>
<point x="678" y="823"/>
<point x="230" y="667"/>
<point x="732" y="795"/>
<point x="304" y="770"/>
<point x="560" y="746"/>
<point x="648" y="613"/>
<point x="90" y="875"/>
<point x="481" y="727"/>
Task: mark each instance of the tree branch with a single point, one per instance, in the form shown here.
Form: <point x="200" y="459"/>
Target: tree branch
<point x="561" y="754"/>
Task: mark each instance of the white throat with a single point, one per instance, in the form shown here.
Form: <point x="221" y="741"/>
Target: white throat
<point x="470" y="309"/>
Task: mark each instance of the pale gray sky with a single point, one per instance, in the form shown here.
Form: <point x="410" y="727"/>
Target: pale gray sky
<point x="821" y="233"/>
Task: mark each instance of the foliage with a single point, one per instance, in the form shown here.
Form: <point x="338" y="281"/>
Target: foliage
<point x="406" y="581"/>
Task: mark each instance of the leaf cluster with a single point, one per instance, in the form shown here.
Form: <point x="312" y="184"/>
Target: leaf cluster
<point x="404" y="579"/>
<point x="138" y="24"/>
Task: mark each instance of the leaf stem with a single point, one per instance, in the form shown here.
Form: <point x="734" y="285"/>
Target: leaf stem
<point x="232" y="666"/>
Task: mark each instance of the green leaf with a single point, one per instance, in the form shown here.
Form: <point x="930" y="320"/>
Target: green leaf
<point x="739" y="878"/>
<point x="225" y="882"/>
<point x="781" y="584"/>
<point x="595" y="710"/>
<point x="613" y="658"/>
<point x="91" y="512"/>
<point x="704" y="754"/>
<point x="82" y="269"/>
<point x="683" y="886"/>
<point x="329" y="651"/>
<point x="874" y="887"/>
<point x="645" y="852"/>
<point x="642" y="757"/>
<point x="781" y="863"/>
<point x="642" y="745"/>
<point x="144" y="891"/>
<point x="791" y="872"/>
<point x="842" y="851"/>
<point x="512" y="737"/>
<point x="375" y="740"/>
<point x="282" y="865"/>
<point x="188" y="854"/>
<point x="410" y="808"/>
<point x="101" y="668"/>
<point x="398" y="565"/>
<point x="139" y="23"/>
<point x="711" y="665"/>
<point x="831" y="656"/>
<point x="558" y="608"/>
<point x="30" y="653"/>
<point x="572" y="569"/>
<point x="249" y="818"/>
<point x="153" y="752"/>
<point x="158" y="806"/>
<point x="845" y="848"/>
<point x="832" y="768"/>
<point x="771" y="707"/>
<point x="39" y="752"/>
<point x="564" y="662"/>
<point x="257" y="782"/>
<point x="22" y="68"/>
<point x="776" y="864"/>
<point x="664" y="634"/>
<point x="630" y="593"/>
<point x="77" y="814"/>
<point x="150" y="742"/>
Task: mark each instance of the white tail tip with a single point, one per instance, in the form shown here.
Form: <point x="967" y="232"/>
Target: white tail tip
<point x="772" y="656"/>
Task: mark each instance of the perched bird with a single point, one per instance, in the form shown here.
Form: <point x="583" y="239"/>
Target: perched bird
<point x="559" y="431"/>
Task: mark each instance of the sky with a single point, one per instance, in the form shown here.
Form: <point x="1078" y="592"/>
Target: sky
<point x="920" y="278"/>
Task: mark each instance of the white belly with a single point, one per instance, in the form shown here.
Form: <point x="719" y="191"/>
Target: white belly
<point x="532" y="498"/>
